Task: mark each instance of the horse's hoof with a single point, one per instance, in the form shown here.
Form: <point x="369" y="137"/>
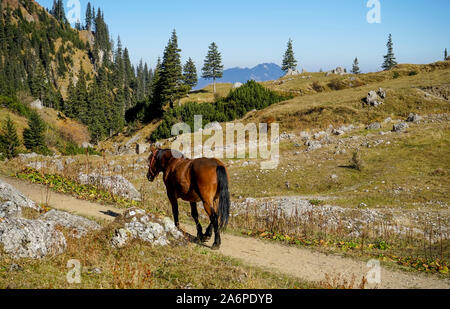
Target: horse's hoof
<point x="215" y="247"/>
<point x="205" y="239"/>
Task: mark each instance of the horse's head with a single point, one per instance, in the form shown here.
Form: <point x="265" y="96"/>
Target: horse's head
<point x="154" y="166"/>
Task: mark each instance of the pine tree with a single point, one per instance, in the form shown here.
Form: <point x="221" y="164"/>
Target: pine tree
<point x="355" y="68"/>
<point x="89" y="17"/>
<point x="33" y="136"/>
<point x="289" y="61"/>
<point x="389" y="59"/>
<point x="213" y="67"/>
<point x="445" y="54"/>
<point x="169" y="87"/>
<point x="190" y="74"/>
<point x="9" y="141"/>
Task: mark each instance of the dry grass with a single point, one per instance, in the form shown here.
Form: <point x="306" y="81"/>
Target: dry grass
<point x="139" y="266"/>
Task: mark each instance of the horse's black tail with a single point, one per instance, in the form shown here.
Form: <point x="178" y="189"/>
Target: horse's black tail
<point x="224" y="199"/>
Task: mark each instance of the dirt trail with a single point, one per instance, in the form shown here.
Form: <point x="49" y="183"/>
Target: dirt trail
<point x="301" y="263"/>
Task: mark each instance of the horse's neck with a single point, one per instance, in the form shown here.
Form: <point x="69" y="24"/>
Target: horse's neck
<point x="168" y="157"/>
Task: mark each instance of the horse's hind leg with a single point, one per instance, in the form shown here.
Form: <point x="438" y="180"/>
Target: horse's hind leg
<point x="209" y="230"/>
<point x="214" y="222"/>
<point x="194" y="213"/>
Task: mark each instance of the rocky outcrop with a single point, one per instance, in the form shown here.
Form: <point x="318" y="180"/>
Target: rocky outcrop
<point x="414" y="118"/>
<point x="36" y="239"/>
<point x="137" y="224"/>
<point x="292" y="72"/>
<point x="375" y="98"/>
<point x="337" y="71"/>
<point x="117" y="185"/>
<point x="11" y="194"/>
<point x="400" y="127"/>
<point x="374" y="126"/>
<point x="141" y="148"/>
<point x="10" y="210"/>
<point x="37" y="105"/>
<point x="78" y="226"/>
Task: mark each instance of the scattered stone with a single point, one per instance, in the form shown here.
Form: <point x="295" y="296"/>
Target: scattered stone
<point x="372" y="99"/>
<point x="374" y="126"/>
<point x="27" y="156"/>
<point x="382" y="93"/>
<point x="400" y="127"/>
<point x="137" y="224"/>
<point x="37" y="165"/>
<point x="116" y="184"/>
<point x="414" y="118"/>
<point x="337" y="71"/>
<point x="388" y="120"/>
<point x="15" y="268"/>
<point x="313" y="145"/>
<point x="87" y="145"/>
<point x="37" y="105"/>
<point x="292" y="72"/>
<point x="79" y="226"/>
<point x="141" y="148"/>
<point x="9" y="193"/>
<point x="35" y="239"/>
<point x="338" y="132"/>
<point x="320" y="134"/>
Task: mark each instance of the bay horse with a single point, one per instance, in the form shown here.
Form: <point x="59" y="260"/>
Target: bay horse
<point x="201" y="180"/>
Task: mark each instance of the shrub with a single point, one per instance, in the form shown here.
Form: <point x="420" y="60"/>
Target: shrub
<point x="396" y="75"/>
<point x="337" y="84"/>
<point x="72" y="149"/>
<point x="317" y="87"/>
<point x="357" y="162"/>
<point x="238" y="102"/>
<point x="412" y="73"/>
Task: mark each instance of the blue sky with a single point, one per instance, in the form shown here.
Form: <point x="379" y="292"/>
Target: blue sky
<point x="326" y="33"/>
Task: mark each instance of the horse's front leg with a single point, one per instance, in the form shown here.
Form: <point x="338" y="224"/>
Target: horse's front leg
<point x="194" y="213"/>
<point x="174" y="202"/>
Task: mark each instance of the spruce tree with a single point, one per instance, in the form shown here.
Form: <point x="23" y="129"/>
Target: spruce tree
<point x="213" y="67"/>
<point x="289" y="61"/>
<point x="33" y="136"/>
<point x="190" y="74"/>
<point x="89" y="17"/>
<point x="355" y="68"/>
<point x="389" y="59"/>
<point x="445" y="54"/>
<point x="169" y="87"/>
<point x="9" y="141"/>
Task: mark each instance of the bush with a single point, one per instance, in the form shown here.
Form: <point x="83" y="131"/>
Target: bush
<point x="357" y="162"/>
<point x="412" y="73"/>
<point x="238" y="102"/>
<point x="72" y="149"/>
<point x="317" y="87"/>
<point x="396" y="75"/>
<point x="16" y="106"/>
<point x="337" y="84"/>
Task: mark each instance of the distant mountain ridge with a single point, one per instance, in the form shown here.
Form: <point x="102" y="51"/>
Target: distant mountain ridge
<point x="260" y="73"/>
